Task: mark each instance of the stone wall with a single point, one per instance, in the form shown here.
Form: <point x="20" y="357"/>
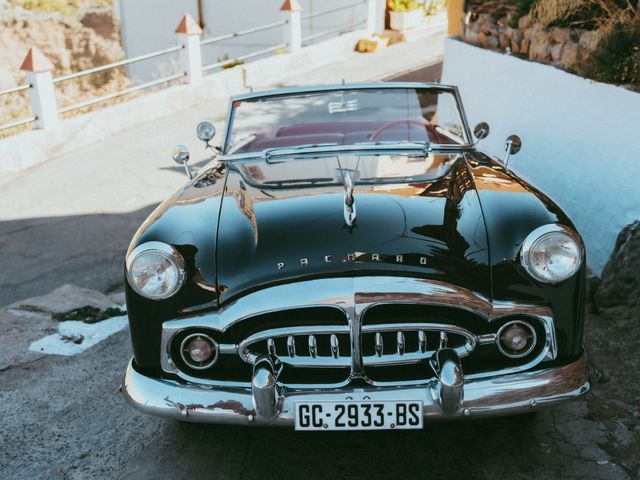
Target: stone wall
<point x="494" y="25"/>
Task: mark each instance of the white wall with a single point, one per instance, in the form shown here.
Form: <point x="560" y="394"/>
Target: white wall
<point x="148" y="25"/>
<point x="581" y="139"/>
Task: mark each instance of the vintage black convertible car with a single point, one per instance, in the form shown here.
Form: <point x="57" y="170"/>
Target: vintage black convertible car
<point x="349" y="260"/>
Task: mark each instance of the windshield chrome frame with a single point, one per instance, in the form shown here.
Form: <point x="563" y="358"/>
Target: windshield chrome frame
<point x="291" y="91"/>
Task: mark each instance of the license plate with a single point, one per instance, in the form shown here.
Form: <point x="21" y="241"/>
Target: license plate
<point x="358" y="415"/>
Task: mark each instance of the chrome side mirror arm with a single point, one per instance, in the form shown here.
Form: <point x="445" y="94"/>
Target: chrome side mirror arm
<point x="512" y="146"/>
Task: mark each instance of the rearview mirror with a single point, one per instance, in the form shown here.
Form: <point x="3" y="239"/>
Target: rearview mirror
<point x="512" y="145"/>
<point x="180" y="155"/>
<point x="481" y="130"/>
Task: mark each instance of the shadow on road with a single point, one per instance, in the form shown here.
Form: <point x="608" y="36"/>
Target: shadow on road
<point x="40" y="254"/>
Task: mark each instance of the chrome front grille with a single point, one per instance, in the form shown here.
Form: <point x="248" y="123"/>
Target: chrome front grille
<point x="397" y="344"/>
<point x="381" y="330"/>
<point x="311" y="346"/>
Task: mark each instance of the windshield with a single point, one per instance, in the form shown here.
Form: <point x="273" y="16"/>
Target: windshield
<point x="345" y="117"/>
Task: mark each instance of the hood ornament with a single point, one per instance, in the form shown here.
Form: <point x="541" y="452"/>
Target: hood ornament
<point x="349" y="200"/>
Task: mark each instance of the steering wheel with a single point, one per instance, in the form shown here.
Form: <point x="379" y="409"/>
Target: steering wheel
<point x="387" y="125"/>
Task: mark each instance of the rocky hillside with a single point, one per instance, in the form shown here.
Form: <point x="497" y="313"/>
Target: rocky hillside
<point x="72" y="43"/>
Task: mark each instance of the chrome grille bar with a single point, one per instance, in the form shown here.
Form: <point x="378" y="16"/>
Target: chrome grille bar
<point x="313" y="346"/>
<point x="400" y="342"/>
<point x="335" y="347"/>
<point x="422" y="341"/>
<point x="271" y="346"/>
<point x="291" y="346"/>
<point x="379" y="344"/>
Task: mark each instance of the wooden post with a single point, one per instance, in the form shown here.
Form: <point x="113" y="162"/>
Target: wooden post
<point x="455" y="13"/>
<point x="37" y="68"/>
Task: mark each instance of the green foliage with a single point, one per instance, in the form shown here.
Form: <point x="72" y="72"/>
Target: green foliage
<point x="229" y="62"/>
<point x="431" y="7"/>
<point x="402" y="6"/>
<point x="617" y="57"/>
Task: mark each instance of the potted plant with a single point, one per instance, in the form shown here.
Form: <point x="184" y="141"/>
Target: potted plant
<point x="405" y="14"/>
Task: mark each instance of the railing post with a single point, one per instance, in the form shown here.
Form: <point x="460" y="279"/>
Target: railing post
<point x="37" y="68"/>
<point x="372" y="16"/>
<point x="188" y="33"/>
<point x="295" y="24"/>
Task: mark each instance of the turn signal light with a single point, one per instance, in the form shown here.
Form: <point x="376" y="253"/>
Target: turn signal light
<point x="199" y="351"/>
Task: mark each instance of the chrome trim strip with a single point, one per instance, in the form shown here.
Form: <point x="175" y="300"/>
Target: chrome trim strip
<point x="354" y="296"/>
<point x="499" y="395"/>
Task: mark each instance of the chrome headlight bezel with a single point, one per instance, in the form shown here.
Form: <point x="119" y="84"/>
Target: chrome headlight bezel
<point x="169" y="253"/>
<point x="529" y="247"/>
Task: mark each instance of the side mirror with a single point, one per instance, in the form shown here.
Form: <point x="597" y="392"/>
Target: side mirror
<point x="513" y="143"/>
<point x="205" y="132"/>
<point x="512" y="146"/>
<point x="481" y="130"/>
<point x="181" y="157"/>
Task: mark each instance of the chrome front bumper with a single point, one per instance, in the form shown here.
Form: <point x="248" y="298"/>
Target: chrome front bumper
<point x="500" y="395"/>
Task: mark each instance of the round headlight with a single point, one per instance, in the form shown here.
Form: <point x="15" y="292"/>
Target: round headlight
<point x="155" y="270"/>
<point x="552" y="253"/>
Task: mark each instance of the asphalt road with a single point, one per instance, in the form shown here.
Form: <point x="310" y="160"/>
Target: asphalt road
<point x="64" y="418"/>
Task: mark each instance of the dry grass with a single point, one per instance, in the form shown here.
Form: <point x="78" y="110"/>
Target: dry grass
<point x="600" y="16"/>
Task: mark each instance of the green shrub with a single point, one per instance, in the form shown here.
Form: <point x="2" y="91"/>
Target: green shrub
<point x="617" y="57"/>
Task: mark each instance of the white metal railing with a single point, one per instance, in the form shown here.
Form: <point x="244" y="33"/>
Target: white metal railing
<point x="120" y="63"/>
<point x="41" y="85"/>
<point x="22" y="121"/>
<point x="243" y="58"/>
<point x="333" y="10"/>
<point x="119" y="93"/>
<point x="334" y="31"/>
<point x="242" y="33"/>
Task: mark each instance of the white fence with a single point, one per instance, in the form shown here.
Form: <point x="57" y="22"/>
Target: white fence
<point x="41" y="84"/>
<point x="580" y="138"/>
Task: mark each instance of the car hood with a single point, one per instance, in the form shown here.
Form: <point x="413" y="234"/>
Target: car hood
<point x="274" y="230"/>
